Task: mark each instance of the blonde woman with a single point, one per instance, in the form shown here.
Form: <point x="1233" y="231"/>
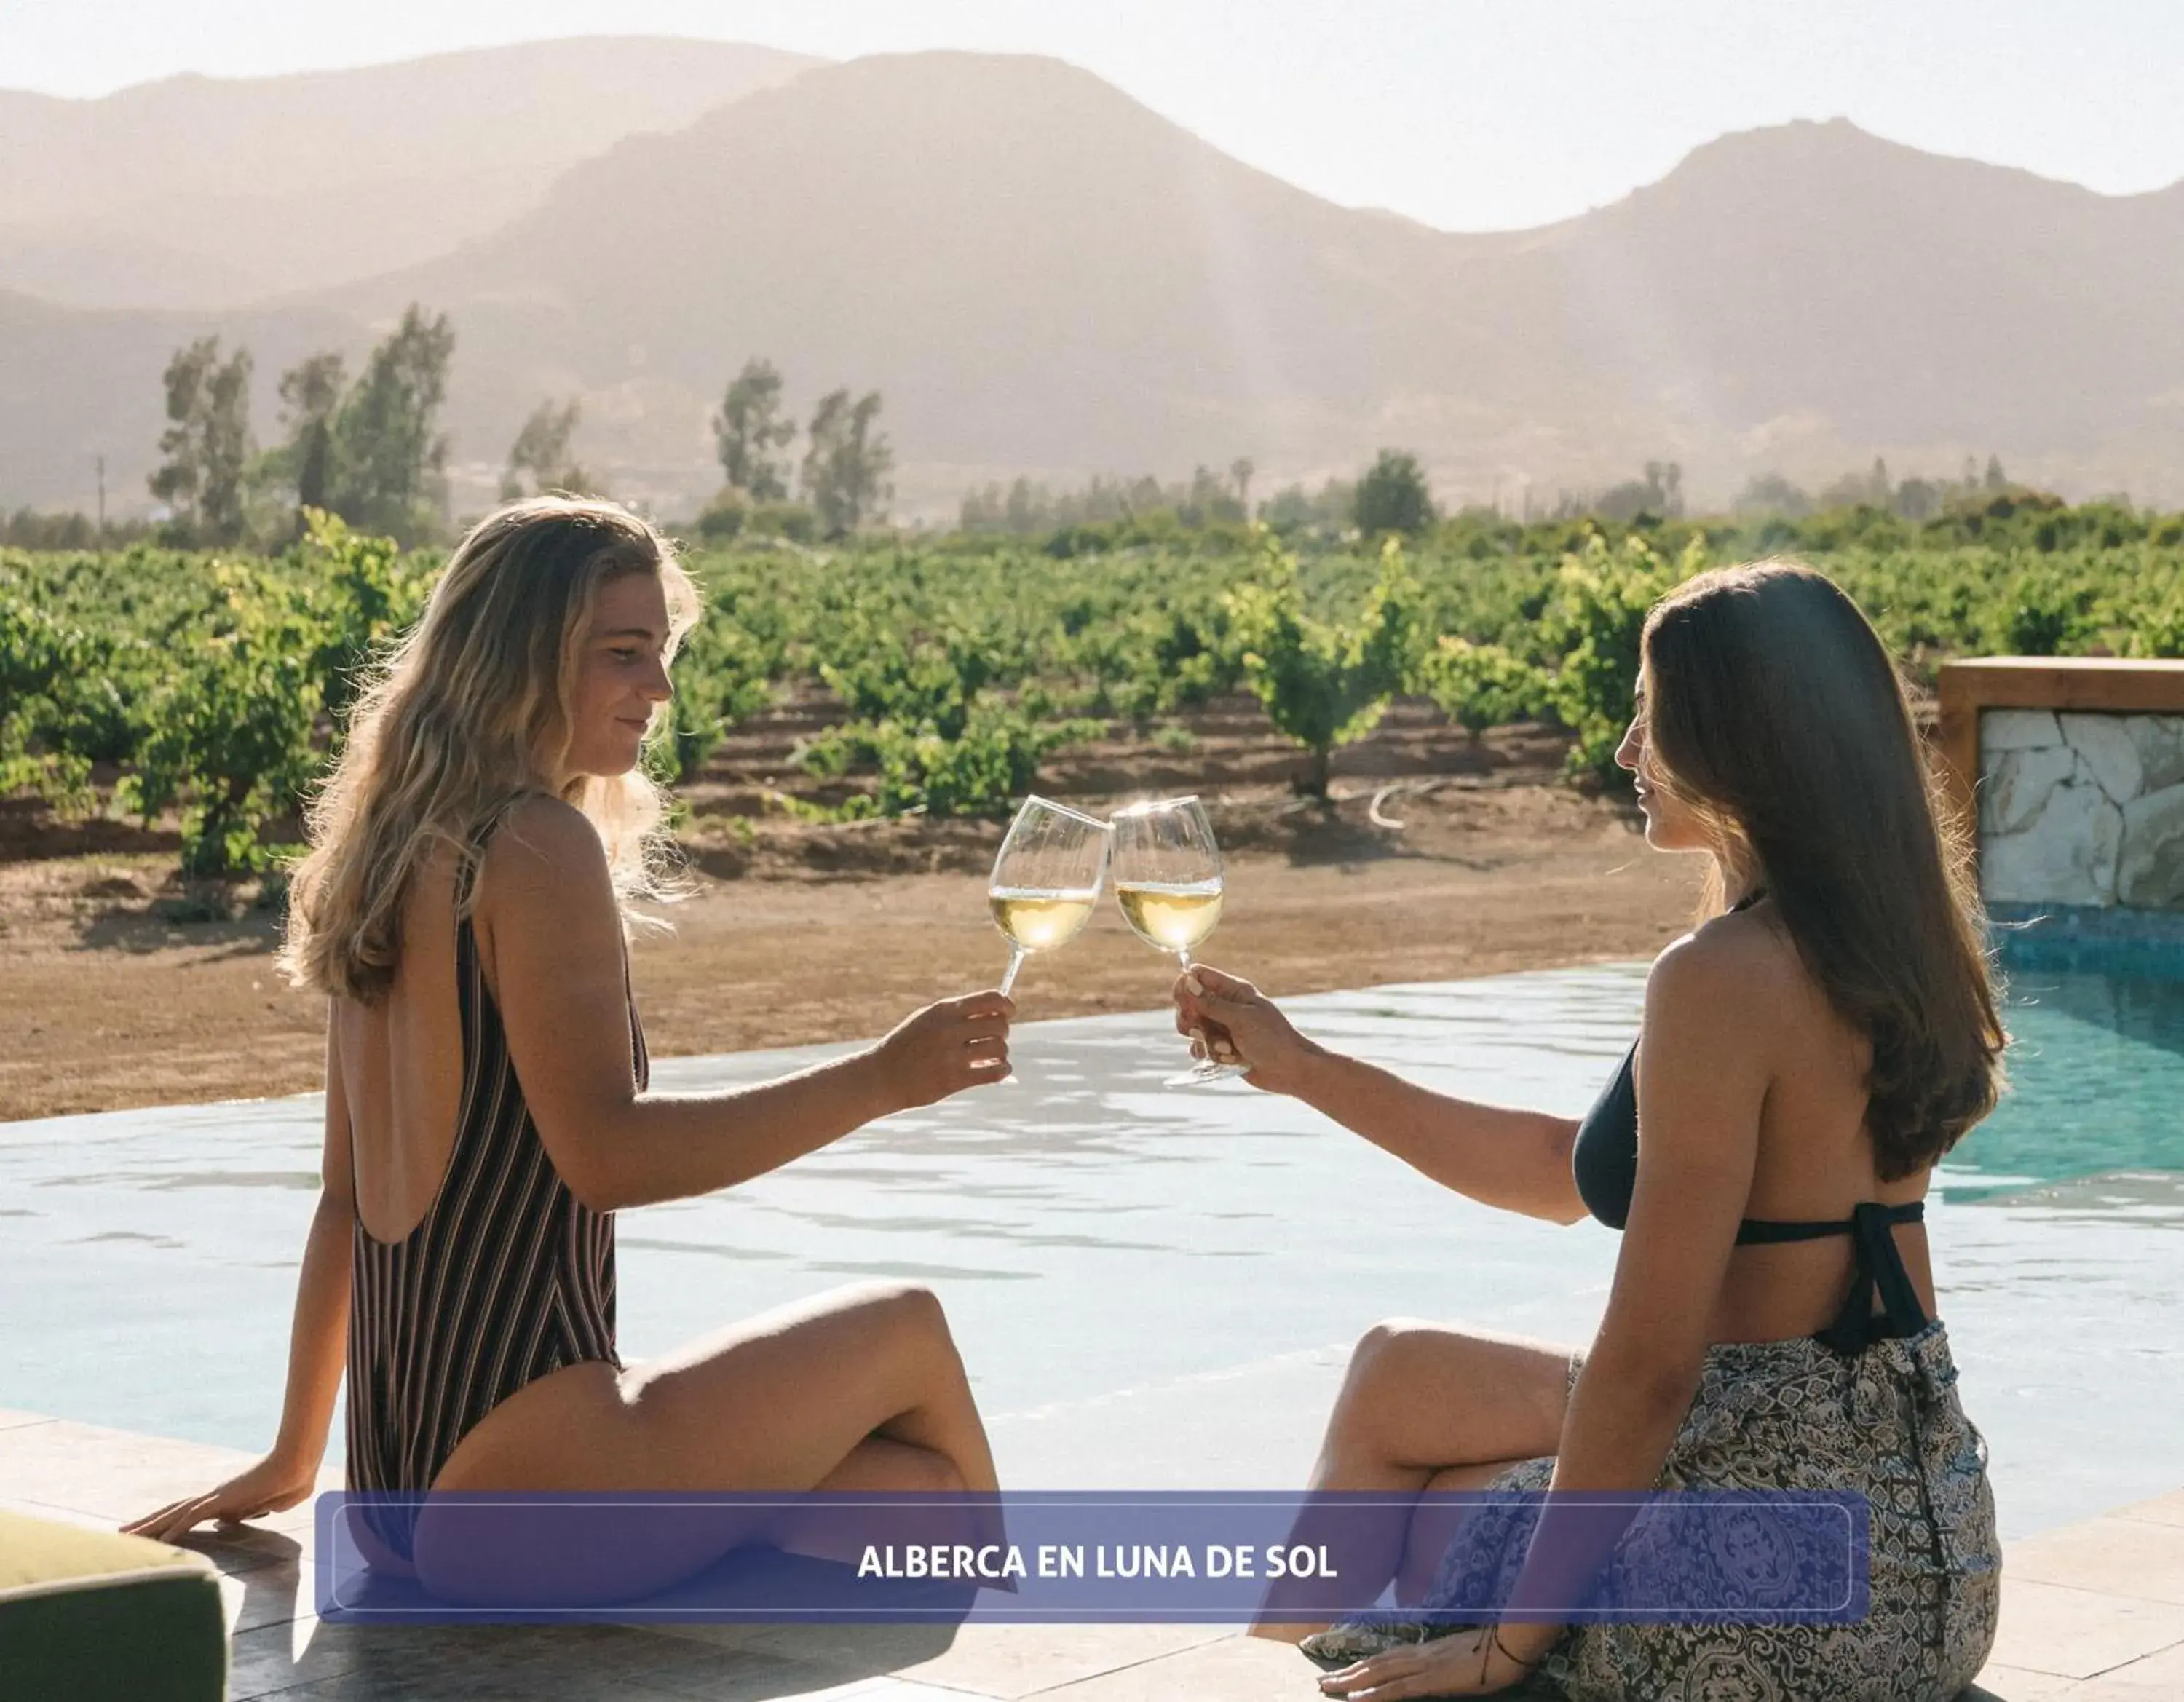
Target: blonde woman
<point x="1807" y="1054"/>
<point x="464" y="908"/>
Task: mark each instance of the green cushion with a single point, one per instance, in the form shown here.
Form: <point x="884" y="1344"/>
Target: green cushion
<point x="87" y="1615"/>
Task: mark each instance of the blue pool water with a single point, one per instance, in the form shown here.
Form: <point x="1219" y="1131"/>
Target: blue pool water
<point x="2096" y="1068"/>
<point x="1156" y="1288"/>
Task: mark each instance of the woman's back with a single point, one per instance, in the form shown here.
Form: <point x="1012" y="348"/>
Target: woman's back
<point x="1815" y="1156"/>
<point x="401" y="1063"/>
<point x="476" y="1271"/>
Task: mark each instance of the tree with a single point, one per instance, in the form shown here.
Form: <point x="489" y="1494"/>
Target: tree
<point x="1207" y="500"/>
<point x="1482" y="686"/>
<point x="1027" y="507"/>
<point x="1289" y="509"/>
<point x="310" y="394"/>
<point x="1918" y="499"/>
<point x="1394" y="496"/>
<point x="1595" y="621"/>
<point x="1771" y="493"/>
<point x="230" y="744"/>
<point x="846" y="463"/>
<point x="1324" y="684"/>
<point x="1996" y="479"/>
<point x="1667" y="478"/>
<point x="207" y="442"/>
<point x="748" y="429"/>
<point x="387" y="458"/>
<point x="179" y="478"/>
<point x="823" y="441"/>
<point x="1660" y="493"/>
<point x="539" y="460"/>
<point x="1869" y="489"/>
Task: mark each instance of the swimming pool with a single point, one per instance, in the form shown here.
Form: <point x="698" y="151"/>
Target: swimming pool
<point x="1156" y="1288"/>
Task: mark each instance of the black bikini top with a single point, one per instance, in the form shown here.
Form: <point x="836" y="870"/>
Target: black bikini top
<point x="1604" y="1163"/>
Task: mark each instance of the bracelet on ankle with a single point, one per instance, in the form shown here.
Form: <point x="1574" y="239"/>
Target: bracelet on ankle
<point x="1501" y="1649"/>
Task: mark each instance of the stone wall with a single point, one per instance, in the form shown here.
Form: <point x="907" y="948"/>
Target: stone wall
<point x="2081" y="809"/>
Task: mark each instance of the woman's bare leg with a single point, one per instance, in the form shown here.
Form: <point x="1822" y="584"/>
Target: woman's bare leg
<point x="877" y="1465"/>
<point x="860" y="1388"/>
<point x="1432" y="1529"/>
<point x="1424" y="1406"/>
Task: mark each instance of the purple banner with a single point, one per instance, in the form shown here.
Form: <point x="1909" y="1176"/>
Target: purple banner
<point x="1082" y="1556"/>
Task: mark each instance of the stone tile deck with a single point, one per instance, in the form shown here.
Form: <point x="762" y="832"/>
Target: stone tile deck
<point x="2094" y="1612"/>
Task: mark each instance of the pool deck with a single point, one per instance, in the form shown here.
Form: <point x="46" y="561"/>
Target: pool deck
<point x="2094" y="1612"/>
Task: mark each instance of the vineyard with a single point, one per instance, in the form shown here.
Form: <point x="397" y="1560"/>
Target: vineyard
<point x="937" y="676"/>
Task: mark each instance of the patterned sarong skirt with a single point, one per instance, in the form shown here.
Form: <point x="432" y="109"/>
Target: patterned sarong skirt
<point x="1795" y="1414"/>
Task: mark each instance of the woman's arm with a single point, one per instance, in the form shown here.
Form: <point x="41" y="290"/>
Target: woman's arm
<point x="547" y="903"/>
<point x="1703" y="1071"/>
<point x="1702" y="1077"/>
<point x="1516" y="1159"/>
<point x="318" y="1344"/>
<point x="318" y="1340"/>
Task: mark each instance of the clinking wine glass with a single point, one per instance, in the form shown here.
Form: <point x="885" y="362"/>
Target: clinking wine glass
<point x="1047" y="878"/>
<point x="1168" y="879"/>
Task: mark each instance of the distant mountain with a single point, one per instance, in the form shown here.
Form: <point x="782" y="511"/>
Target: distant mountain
<point x="1813" y="273"/>
<point x="1038" y="272"/>
<point x="207" y="192"/>
<point x="1042" y="275"/>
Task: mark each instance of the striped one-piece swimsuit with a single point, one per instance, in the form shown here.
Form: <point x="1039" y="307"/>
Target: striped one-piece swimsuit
<point x="507" y="1277"/>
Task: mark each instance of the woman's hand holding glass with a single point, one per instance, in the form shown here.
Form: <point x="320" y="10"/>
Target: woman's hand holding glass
<point x="949" y="1046"/>
<point x="1230" y="1022"/>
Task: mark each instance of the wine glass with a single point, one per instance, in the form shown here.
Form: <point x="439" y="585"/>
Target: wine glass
<point x="1168" y="879"/>
<point x="1046" y="878"/>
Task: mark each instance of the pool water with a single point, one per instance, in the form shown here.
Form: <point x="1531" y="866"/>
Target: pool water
<point x="2096" y="1068"/>
<point x="1158" y="1288"/>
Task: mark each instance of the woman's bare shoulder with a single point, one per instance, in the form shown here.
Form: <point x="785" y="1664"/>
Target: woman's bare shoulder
<point x="1734" y="965"/>
<point x="1754" y="939"/>
<point x="544" y="848"/>
<point x="1741" y="979"/>
<point x="544" y="876"/>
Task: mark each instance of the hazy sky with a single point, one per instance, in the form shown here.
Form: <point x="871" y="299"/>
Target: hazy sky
<point x="1471" y="115"/>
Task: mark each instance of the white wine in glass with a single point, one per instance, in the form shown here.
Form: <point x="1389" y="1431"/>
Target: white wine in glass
<point x="1172" y="915"/>
<point x="1167" y="880"/>
<point x="1047" y="878"/>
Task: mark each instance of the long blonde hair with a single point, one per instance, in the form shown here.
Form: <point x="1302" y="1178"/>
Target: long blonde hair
<point x="464" y="719"/>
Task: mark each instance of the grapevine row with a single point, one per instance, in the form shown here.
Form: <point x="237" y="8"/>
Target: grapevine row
<point x="217" y="685"/>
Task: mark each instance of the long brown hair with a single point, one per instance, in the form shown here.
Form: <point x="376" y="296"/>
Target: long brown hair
<point x="465" y="718"/>
<point x="1773" y="711"/>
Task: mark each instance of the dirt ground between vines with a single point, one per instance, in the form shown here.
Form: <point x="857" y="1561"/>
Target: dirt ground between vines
<point x="120" y="987"/>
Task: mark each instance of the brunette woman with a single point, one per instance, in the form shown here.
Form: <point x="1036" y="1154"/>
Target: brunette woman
<point x="1806" y="1055"/>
